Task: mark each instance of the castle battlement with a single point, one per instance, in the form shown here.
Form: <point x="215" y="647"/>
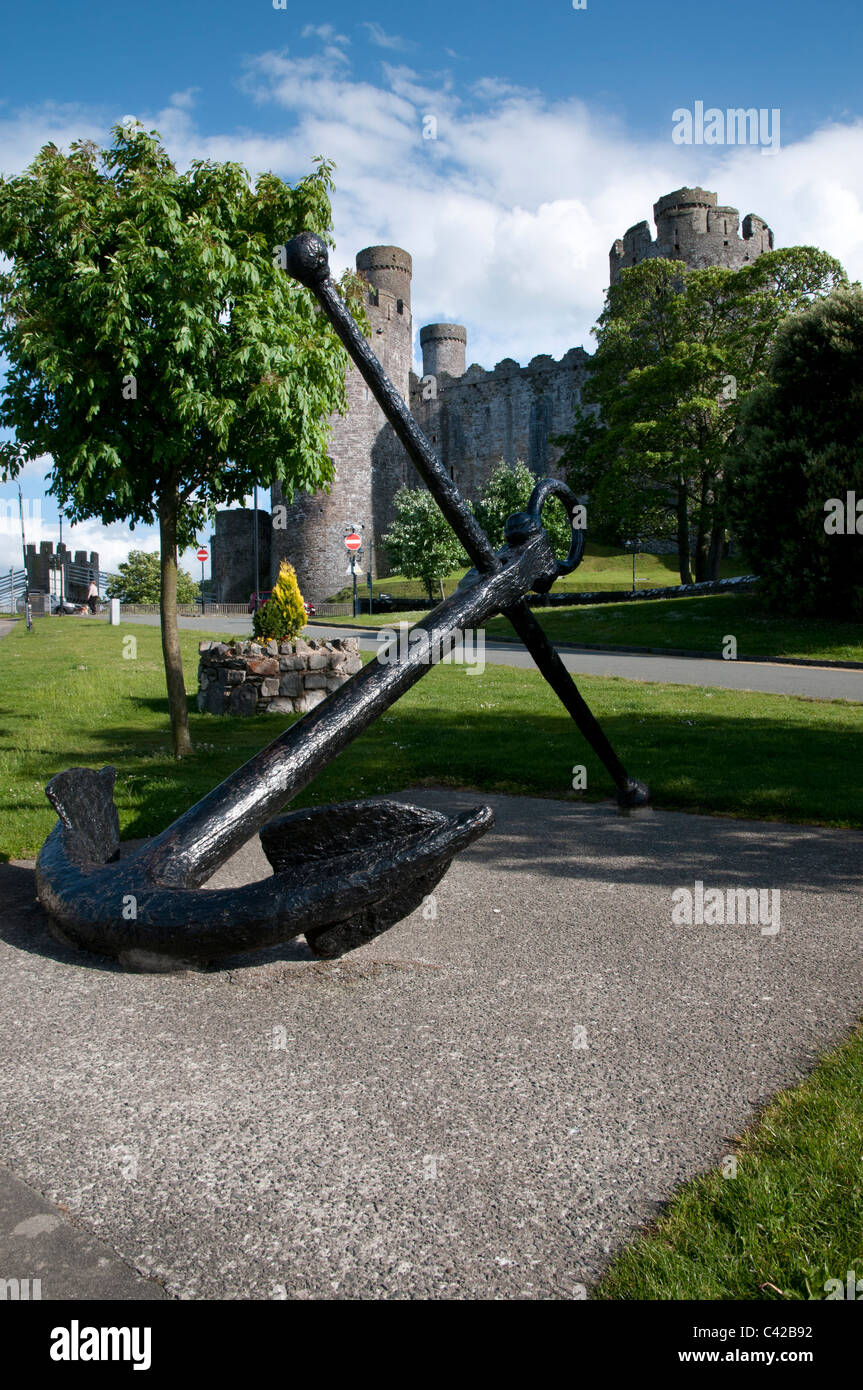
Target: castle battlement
<point x="691" y="227"/>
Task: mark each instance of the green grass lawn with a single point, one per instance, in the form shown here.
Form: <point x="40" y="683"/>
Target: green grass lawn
<point x="603" y="567"/>
<point x="69" y="698"/>
<point x="700" y="624"/>
<point x="789" y="1221"/>
<point x="690" y="624"/>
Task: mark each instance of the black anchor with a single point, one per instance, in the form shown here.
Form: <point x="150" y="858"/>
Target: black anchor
<point x="342" y="874"/>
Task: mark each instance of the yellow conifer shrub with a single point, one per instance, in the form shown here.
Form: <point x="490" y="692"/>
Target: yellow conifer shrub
<point x="284" y="615"/>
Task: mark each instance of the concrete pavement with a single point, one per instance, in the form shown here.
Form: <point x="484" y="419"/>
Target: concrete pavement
<point x="486" y="1102"/>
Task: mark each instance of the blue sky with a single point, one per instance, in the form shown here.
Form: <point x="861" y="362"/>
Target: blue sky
<point x="553" y="134"/>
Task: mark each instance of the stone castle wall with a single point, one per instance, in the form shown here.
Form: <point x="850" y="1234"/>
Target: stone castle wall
<point x="40" y="564"/>
<point x="232" y="549"/>
<point x="477" y="419"/>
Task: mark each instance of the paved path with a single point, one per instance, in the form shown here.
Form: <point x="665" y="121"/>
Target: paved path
<point x="817" y="682"/>
<point x="483" y="1105"/>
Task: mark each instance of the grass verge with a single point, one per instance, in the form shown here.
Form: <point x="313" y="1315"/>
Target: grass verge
<point x="689" y="624"/>
<point x="69" y="697"/>
<point x="787" y="1223"/>
<point x="699" y="624"/>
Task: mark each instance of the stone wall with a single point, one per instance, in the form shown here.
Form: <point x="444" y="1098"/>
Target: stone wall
<point x="510" y="413"/>
<point x="273" y="677"/>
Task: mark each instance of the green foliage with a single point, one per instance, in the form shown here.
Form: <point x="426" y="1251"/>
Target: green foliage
<point x="678" y="352"/>
<point x="155" y="343"/>
<point x="158" y="351"/>
<point x="508" y="490"/>
<point x="420" y="543"/>
<point x="284" y="613"/>
<point x="800" y="444"/>
<point x="138" y="580"/>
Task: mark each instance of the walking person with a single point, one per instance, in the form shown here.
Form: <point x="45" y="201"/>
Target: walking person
<point x="92" y="597"/>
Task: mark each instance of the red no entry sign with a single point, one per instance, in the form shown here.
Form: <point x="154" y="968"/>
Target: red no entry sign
<point x="353" y="541"/>
<point x="203" y="555"/>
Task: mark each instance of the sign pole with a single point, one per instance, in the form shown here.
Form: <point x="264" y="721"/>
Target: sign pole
<point x="353" y="545"/>
<point x="203" y="556"/>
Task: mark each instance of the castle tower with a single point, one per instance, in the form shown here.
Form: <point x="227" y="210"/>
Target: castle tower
<point x="692" y="228"/>
<point x="233" y="553"/>
<point x="369" y="462"/>
<point x="444" y="349"/>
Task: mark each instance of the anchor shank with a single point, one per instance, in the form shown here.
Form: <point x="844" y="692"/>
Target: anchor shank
<point x="189" y="851"/>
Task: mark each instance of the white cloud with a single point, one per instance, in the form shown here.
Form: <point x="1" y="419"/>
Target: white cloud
<point x="185" y="99"/>
<point x="325" y="32"/>
<point x="510" y="213"/>
<point x="381" y="39"/>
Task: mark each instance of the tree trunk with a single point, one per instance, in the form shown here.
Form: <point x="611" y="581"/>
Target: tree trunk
<point x="717" y="546"/>
<point x="701" y="539"/>
<point x="683" y="556"/>
<point x="170" y="633"/>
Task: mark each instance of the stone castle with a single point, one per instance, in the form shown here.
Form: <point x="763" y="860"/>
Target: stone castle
<point x="472" y="417"/>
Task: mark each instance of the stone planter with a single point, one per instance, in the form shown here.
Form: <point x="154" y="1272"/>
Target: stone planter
<point x="273" y="677"/>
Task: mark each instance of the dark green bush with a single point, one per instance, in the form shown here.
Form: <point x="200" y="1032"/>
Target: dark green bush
<point x="799" y="454"/>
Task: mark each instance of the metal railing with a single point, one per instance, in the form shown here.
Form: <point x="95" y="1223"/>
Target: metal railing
<point x="13" y="586"/>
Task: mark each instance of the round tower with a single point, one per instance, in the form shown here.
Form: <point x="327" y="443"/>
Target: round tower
<point x="444" y="349"/>
<point x="388" y="269"/>
<point x="369" y="462"/>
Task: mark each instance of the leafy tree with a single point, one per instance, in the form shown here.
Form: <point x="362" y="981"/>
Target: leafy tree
<point x="284" y="613"/>
<point x="138" y="580"/>
<point x="421" y="544"/>
<point x="798" y="463"/>
<point x="508" y="490"/>
<point x="678" y="351"/>
<point x="158" y="351"/>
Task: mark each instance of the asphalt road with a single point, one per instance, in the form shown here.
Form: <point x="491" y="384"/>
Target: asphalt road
<point x="816" y="682"/>
<point x="486" y="1102"/>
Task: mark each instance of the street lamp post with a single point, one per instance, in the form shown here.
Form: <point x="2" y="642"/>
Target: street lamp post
<point x="257" y="585"/>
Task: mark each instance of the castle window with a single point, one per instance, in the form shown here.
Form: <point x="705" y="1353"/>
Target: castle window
<point x="400" y="306"/>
